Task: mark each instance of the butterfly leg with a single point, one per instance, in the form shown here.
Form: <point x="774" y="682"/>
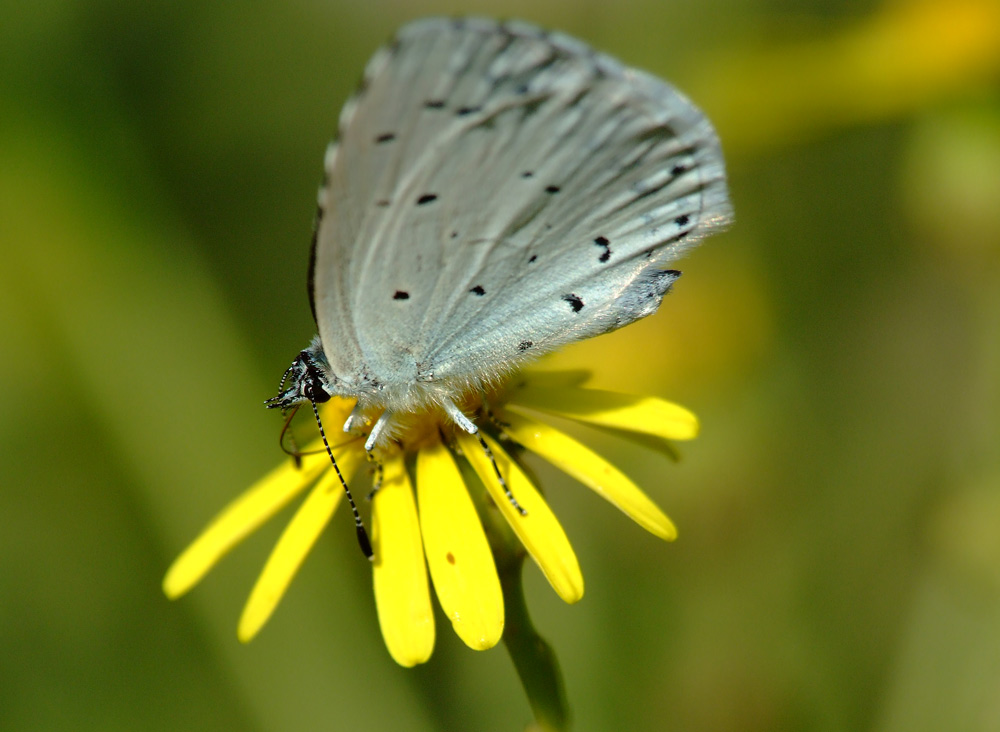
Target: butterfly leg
<point x="378" y="473"/>
<point x="466" y="424"/>
<point x="458" y="417"/>
<point x="355" y="420"/>
<point x="495" y="420"/>
<point x="381" y="424"/>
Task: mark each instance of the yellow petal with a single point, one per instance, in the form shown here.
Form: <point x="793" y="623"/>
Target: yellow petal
<point x="632" y="413"/>
<point x="402" y="595"/>
<point x="539" y="530"/>
<point x="295" y="543"/>
<point x="458" y="554"/>
<point x="241" y="517"/>
<point x="247" y="512"/>
<point x="590" y="469"/>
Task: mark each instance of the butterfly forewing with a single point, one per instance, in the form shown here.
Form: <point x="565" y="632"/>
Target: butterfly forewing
<point x="497" y="192"/>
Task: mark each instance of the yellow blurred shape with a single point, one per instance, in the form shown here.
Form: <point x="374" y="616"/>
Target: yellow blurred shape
<point x="713" y="327"/>
<point x="963" y="531"/>
<point x="905" y="57"/>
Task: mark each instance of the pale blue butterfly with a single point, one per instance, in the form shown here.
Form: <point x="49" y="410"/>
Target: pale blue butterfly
<point x="496" y="191"/>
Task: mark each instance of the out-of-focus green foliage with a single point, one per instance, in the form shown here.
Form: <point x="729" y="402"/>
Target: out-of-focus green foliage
<point x="838" y="565"/>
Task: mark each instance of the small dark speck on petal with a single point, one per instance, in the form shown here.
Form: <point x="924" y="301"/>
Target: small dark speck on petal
<point x="527" y="174"/>
<point x="400" y="295"/>
<point x="426" y="198"/>
<point x="434" y="104"/>
<point x="574" y="302"/>
<point x="450" y="557"/>
<point x="478" y="290"/>
<point x="382" y="203"/>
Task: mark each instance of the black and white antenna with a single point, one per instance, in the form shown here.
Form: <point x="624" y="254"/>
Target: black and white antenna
<point x="309" y="385"/>
<point x="359" y="527"/>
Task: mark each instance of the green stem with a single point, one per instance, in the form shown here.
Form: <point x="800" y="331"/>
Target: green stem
<point x="534" y="659"/>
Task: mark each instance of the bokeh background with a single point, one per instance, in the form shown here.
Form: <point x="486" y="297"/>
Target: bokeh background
<point x="838" y="566"/>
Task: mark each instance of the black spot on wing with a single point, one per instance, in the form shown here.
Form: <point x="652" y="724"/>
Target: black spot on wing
<point x="426" y="198"/>
<point x="574" y="301"/>
<point x="527" y="174"/>
<point x="383" y="203"/>
<point x="532" y="258"/>
<point x="552" y="189"/>
<point x="602" y="241"/>
<point x="385" y="137"/>
<point x="401" y="295"/>
<point x="524" y="345"/>
<point x="682" y="220"/>
<point x="478" y="290"/>
<point x="434" y="104"/>
<point x="466" y="111"/>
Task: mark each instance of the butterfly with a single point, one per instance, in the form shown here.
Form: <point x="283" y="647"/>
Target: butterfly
<point x="495" y="191"/>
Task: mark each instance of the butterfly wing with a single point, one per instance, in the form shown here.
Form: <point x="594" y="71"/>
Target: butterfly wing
<point x="498" y="191"/>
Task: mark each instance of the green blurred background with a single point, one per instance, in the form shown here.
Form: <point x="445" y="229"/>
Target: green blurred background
<point x="838" y="565"/>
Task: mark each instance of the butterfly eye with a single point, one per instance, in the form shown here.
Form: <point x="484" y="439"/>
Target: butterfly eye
<point x="313" y="391"/>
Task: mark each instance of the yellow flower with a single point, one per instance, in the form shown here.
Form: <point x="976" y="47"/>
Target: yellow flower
<point x="438" y="522"/>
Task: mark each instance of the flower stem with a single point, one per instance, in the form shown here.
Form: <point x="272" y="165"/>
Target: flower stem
<point x="534" y="659"/>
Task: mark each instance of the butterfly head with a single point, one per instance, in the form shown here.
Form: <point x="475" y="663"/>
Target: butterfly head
<point x="305" y="380"/>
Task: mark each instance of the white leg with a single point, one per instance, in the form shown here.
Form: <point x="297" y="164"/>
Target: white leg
<point x="458" y="418"/>
<point x="377" y="430"/>
<point x="354" y="420"/>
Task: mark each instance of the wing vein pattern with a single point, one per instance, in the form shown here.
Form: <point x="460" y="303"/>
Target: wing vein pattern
<point x="497" y="191"/>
